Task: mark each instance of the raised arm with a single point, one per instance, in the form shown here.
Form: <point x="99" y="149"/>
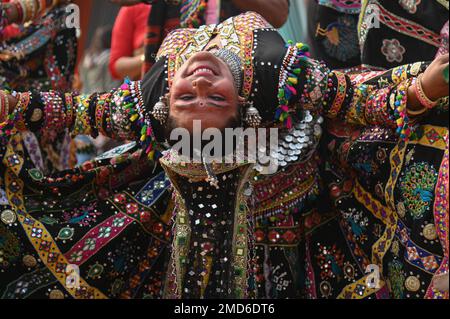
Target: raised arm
<point x="392" y="98"/>
<point x="21" y="11"/>
<point x="118" y="114"/>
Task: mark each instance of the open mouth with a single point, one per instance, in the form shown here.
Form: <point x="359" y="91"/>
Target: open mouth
<point x="203" y="70"/>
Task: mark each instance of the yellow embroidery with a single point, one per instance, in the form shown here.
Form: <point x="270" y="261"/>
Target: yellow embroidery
<point x="39" y="237"/>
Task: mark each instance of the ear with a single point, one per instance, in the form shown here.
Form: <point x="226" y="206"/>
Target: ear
<point x="167" y="99"/>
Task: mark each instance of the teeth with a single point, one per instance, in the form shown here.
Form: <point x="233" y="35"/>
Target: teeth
<point x="202" y="71"/>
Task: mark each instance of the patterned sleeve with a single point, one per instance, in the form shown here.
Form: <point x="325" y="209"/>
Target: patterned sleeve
<point x="307" y="86"/>
<point x="370" y="98"/>
<point x="118" y="114"/>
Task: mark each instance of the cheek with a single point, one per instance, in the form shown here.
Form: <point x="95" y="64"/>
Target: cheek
<point x="180" y="86"/>
<point x="226" y="88"/>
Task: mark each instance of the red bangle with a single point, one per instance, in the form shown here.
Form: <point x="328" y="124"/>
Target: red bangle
<point x="21" y="107"/>
<point x="421" y="96"/>
<point x="3" y="106"/>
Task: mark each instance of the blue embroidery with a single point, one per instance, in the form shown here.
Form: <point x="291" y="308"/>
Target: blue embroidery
<point x="116" y="151"/>
<point x="153" y="190"/>
<point x="419" y="257"/>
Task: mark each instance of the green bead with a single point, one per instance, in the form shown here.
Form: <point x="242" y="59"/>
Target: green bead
<point x="66" y="233"/>
<point x="36" y="174"/>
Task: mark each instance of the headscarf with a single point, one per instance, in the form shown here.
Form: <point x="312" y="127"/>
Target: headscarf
<point x="168" y="15"/>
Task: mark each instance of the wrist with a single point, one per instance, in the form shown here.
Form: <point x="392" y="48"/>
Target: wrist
<point x="427" y="96"/>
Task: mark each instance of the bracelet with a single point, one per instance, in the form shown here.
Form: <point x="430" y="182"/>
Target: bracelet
<point x="31" y="4"/>
<point x="100" y="112"/>
<point x="55" y="117"/>
<point x="6" y="107"/>
<point x="22" y="17"/>
<point x="417" y="113"/>
<point x="26" y="11"/>
<point x="92" y="120"/>
<point x="4" y="110"/>
<point x="421" y="96"/>
<point x="340" y="94"/>
<point x="15" y="120"/>
<point x="70" y="112"/>
<point x="377" y="110"/>
<point x="355" y="113"/>
<point x="81" y="125"/>
<point x="107" y="117"/>
<point x="19" y="112"/>
<point x="420" y="111"/>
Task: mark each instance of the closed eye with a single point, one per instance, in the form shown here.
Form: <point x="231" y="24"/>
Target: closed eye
<point x="217" y="98"/>
<point x="186" y="97"/>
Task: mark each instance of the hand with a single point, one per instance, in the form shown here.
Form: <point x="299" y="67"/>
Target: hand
<point x="126" y="2"/>
<point x="433" y="81"/>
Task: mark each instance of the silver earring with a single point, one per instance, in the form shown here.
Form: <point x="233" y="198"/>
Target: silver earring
<point x="252" y="116"/>
<point x="161" y="110"/>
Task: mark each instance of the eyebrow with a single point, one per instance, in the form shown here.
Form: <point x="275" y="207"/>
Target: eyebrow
<point x="194" y="103"/>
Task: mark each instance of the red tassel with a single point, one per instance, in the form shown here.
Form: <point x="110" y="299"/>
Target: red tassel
<point x="289" y="122"/>
<point x="292" y="89"/>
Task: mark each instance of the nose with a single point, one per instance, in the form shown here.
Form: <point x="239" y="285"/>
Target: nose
<point x="201" y="85"/>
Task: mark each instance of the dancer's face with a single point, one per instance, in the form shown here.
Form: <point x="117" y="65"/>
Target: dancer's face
<point x="203" y="89"/>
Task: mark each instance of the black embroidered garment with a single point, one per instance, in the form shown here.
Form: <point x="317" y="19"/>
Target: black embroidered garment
<point x="401" y="31"/>
<point x="42" y="58"/>
<point x="391" y="196"/>
<point x="137" y="229"/>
